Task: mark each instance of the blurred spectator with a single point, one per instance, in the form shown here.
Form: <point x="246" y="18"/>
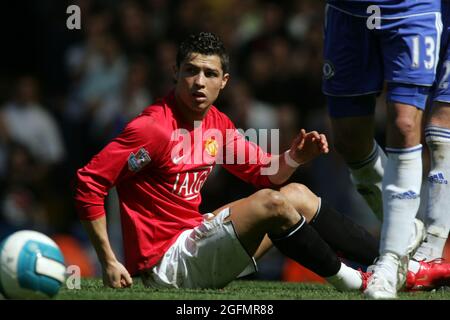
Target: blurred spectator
<point x="163" y="66"/>
<point x="103" y="75"/>
<point x="21" y="204"/>
<point x="158" y="11"/>
<point x="288" y="123"/>
<point x="98" y="69"/>
<point x="27" y="122"/>
<point x="22" y="210"/>
<point x="136" y="29"/>
<point x="78" y="56"/>
<point x="185" y="19"/>
<point x="121" y="106"/>
<point x="136" y="93"/>
<point x="299" y="24"/>
<point x="247" y="112"/>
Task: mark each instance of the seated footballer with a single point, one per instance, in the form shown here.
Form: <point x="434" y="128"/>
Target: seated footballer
<point x="158" y="165"/>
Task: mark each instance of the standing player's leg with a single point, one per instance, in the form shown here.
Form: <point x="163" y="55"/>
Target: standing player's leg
<point x="352" y="76"/>
<point x="401" y="196"/>
<point x="437" y="135"/>
<point x="437" y="217"/>
<point x="354" y="140"/>
<point x="410" y="48"/>
<point x="269" y="212"/>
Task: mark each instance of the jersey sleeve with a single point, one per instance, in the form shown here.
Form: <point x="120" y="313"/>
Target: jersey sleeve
<point x="245" y="159"/>
<point x="127" y="154"/>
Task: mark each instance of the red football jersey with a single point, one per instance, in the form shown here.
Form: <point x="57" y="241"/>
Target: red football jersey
<point x="158" y="165"/>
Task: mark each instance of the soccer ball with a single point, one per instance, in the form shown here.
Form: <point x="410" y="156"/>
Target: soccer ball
<point x="31" y="266"/>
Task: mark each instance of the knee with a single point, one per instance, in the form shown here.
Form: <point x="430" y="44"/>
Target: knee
<point x="406" y="125"/>
<point x="296" y="194"/>
<point x="272" y="205"/>
<point x="302" y="199"/>
<point x="295" y="190"/>
<point x="404" y="121"/>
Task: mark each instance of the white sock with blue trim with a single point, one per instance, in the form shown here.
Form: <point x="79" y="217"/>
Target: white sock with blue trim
<point x="367" y="176"/>
<point x="437" y="216"/>
<point x="401" y="198"/>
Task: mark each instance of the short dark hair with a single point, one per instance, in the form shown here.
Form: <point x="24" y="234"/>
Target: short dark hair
<point x="205" y="43"/>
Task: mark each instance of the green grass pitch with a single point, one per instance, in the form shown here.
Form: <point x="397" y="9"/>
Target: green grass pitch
<point x="93" y="289"/>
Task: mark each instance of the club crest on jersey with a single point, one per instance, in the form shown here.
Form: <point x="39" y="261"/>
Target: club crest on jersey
<point x="328" y="70"/>
<point x="211" y="147"/>
<point x="139" y="160"/>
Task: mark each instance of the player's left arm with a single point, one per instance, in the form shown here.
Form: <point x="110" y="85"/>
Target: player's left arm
<point x="304" y="148"/>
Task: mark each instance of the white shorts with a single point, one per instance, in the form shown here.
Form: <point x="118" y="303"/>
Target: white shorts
<point x="208" y="256"/>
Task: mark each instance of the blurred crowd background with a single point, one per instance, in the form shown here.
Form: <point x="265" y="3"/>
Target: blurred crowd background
<point x="65" y="93"/>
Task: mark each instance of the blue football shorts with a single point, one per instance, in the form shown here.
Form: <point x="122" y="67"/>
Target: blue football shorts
<point x="402" y="51"/>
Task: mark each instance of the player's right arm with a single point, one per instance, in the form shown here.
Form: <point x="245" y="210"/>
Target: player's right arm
<point x="94" y="181"/>
<point x="106" y="169"/>
<point x="114" y="273"/>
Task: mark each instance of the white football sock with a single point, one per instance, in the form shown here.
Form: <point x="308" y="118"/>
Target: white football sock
<point x="437" y="216"/>
<point x="346" y="279"/>
<point x="388" y="265"/>
<point x="401" y="198"/>
<point x="367" y="177"/>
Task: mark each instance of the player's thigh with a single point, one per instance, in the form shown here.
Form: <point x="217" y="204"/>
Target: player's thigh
<point x="247" y="216"/>
<point x="351" y="56"/>
<point x="214" y="254"/>
<point x="265" y="211"/>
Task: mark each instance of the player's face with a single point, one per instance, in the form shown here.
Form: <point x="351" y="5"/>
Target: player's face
<point x="199" y="81"/>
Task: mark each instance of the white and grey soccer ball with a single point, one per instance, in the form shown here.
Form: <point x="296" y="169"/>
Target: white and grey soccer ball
<point x="31" y="266"/>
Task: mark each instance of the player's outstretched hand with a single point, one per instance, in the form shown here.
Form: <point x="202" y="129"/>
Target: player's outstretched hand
<point x="116" y="276"/>
<point x="308" y="145"/>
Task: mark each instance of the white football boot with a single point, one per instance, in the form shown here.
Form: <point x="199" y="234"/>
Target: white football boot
<point x="389" y="272"/>
<point x="387" y="277"/>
